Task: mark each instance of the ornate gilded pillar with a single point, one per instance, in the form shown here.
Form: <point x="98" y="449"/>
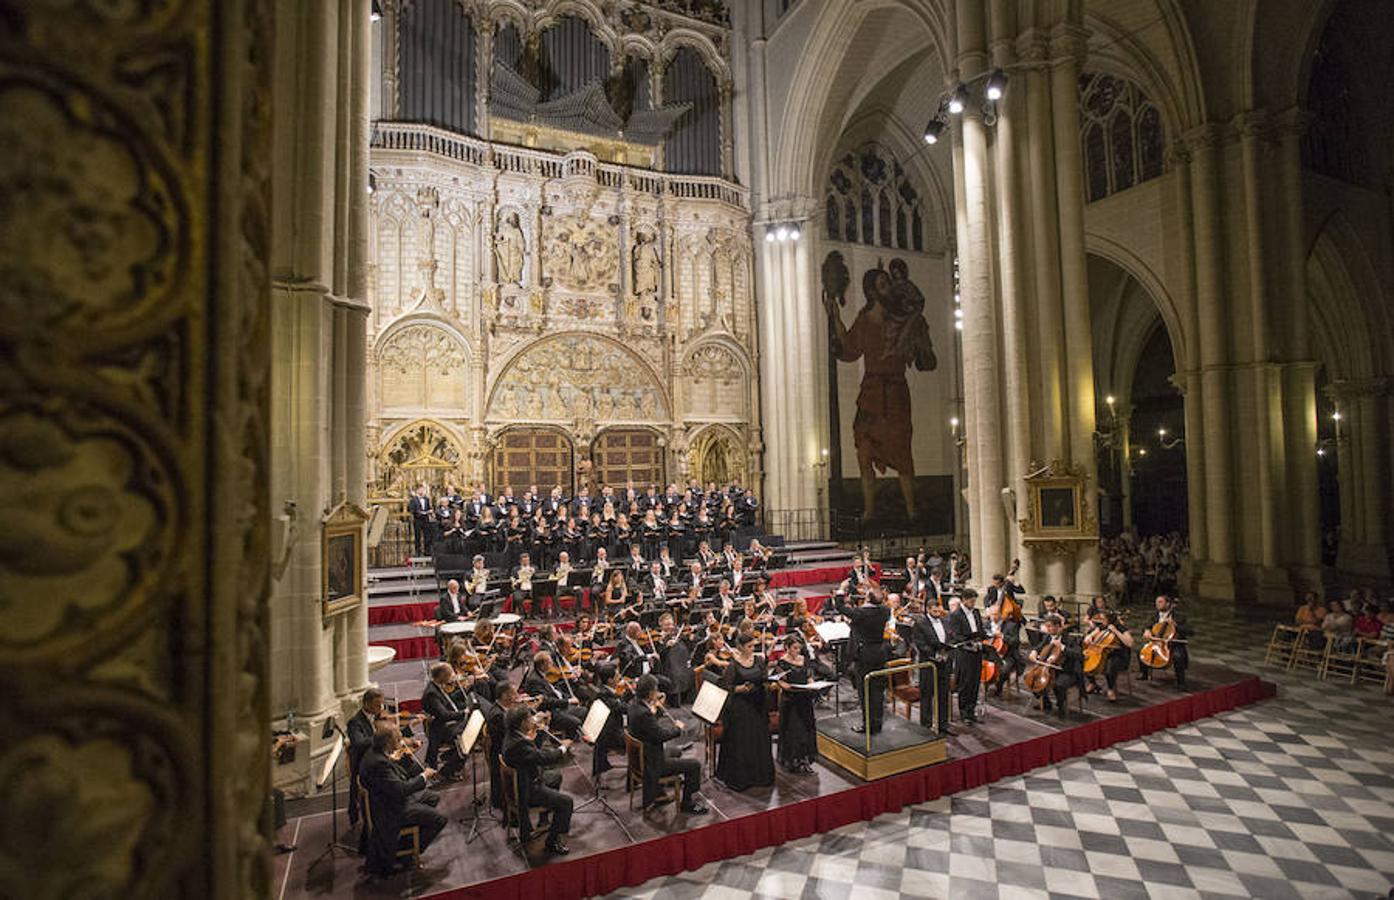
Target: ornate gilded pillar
<point x="133" y="448"/>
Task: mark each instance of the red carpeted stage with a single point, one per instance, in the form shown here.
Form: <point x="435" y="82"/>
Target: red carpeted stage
<point x="1015" y="737"/>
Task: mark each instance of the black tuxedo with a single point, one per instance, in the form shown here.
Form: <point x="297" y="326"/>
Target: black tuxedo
<point x="447" y="719"/>
<point x="422" y="524"/>
<point x="360" y="740"/>
<point x="448" y="612"/>
<point x="930" y="647"/>
<point x="556" y="699"/>
<point x="1180" y="658"/>
<point x="653" y="730"/>
<point x="395" y="802"/>
<point x="869" y="636"/>
<point x="968" y="631"/>
<point x="529" y="759"/>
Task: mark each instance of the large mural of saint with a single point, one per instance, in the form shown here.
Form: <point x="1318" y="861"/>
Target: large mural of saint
<point x="889" y="335"/>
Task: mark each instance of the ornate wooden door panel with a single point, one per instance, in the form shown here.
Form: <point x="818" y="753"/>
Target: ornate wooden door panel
<point x="624" y="455"/>
<point x="528" y="456"/>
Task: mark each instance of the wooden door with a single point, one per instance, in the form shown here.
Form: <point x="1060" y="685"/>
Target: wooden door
<point x="622" y="455"/>
<point x="528" y="456"/>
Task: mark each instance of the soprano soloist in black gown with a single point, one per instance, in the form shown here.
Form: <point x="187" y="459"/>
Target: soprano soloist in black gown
<point x="745" y="759"/>
<point x="798" y="745"/>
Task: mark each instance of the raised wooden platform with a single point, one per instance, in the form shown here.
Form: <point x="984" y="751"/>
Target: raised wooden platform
<point x="900" y="746"/>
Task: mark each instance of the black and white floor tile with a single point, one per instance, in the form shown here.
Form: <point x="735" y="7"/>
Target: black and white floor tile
<point x="1292" y="798"/>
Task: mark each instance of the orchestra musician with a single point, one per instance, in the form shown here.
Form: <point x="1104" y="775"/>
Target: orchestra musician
<point x="447" y="717"/>
<point x="706" y="556"/>
<point x="968" y="634"/>
<point x="638" y="657"/>
<point x="616" y="595"/>
<point x="612" y="690"/>
<point x="1002" y="585"/>
<point x="675" y="657"/>
<point x="360" y="730"/>
<point x="1112" y="638"/>
<point x="869" y="637"/>
<point x="522" y="582"/>
<point x="1180" y="658"/>
<point x="538" y="783"/>
<point x="558" y="695"/>
<point x="653" y="727"/>
<point x="477" y="583"/>
<point x="1053" y="643"/>
<point x="397" y="800"/>
<point x="453" y="607"/>
<point x="932" y="642"/>
<point x="560" y="575"/>
<point x="1010" y="664"/>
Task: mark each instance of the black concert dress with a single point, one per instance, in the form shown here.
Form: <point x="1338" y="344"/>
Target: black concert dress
<point x="746" y="759"/>
<point x="798" y="744"/>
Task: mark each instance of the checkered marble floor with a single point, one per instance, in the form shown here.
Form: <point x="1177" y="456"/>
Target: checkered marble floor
<point x="1292" y="798"/>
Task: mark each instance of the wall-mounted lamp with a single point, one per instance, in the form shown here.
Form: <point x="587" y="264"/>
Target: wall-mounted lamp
<point x="1332" y="443"/>
<point x="1169" y="444"/>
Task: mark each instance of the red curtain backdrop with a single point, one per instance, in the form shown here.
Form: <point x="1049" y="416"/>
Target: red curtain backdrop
<point x="634" y="864"/>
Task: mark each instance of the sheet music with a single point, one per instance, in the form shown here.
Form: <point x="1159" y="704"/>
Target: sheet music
<point x="473" y="726"/>
<point x="833" y="631"/>
<point x="711" y="700"/>
<point x="811" y="686"/>
<point x="596" y="718"/>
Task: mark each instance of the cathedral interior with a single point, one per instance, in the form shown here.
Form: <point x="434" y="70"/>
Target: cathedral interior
<point x="1096" y="293"/>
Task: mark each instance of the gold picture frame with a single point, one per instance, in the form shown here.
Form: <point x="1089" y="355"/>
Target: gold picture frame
<point x="1055" y="506"/>
<point x="342" y="559"/>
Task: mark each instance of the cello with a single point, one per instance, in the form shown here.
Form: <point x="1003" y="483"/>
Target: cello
<point x="1041" y="676"/>
<point x="1156" y="651"/>
<point x="1097" y="646"/>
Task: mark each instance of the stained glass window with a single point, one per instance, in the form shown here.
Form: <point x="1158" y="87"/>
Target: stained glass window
<point x="870" y="200"/>
<point x="1121" y="135"/>
<point x="834" y="219"/>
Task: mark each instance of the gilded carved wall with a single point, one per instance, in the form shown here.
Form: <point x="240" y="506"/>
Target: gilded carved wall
<point x="529" y="287"/>
<point x="134" y="230"/>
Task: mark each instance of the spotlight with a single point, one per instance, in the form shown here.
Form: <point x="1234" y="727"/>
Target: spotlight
<point x="1336" y="416"/>
<point x="781" y="234"/>
<point x="1161" y="432"/>
<point x="958" y="314"/>
<point x="958" y="324"/>
<point x="958" y="298"/>
<point x="1321" y="451"/>
<point x="372" y="183"/>
<point x="1109" y="400"/>
<point x="376" y="14"/>
<point x="933" y="130"/>
<point x="794" y="233"/>
<point x="1142" y="452"/>
<point x="953" y="423"/>
<point x="996" y="84"/>
<point x="958" y="100"/>
<point x="769" y="235"/>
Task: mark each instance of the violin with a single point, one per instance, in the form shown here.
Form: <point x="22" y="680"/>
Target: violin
<point x="1156" y="651"/>
<point x="1041" y="675"/>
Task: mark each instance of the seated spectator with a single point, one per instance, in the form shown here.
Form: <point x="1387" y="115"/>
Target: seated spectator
<point x="1367" y="624"/>
<point x="1311" y="613"/>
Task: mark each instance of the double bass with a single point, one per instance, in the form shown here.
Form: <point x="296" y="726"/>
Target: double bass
<point x="1008" y="607"/>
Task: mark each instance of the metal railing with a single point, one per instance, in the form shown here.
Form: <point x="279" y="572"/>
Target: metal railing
<point x="796" y="524"/>
<point x="893" y="670"/>
<point x="395" y="547"/>
<point x="414" y="137"/>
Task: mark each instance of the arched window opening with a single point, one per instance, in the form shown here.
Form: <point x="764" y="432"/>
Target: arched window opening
<point x="1121" y="135"/>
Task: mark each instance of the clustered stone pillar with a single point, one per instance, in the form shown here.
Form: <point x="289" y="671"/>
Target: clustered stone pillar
<point x="318" y="342"/>
<point x="1020" y="228"/>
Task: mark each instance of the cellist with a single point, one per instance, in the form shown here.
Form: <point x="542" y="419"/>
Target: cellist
<point x="1055" y="664"/>
<point x="1176" y="643"/>
<point x="1111" y="638"/>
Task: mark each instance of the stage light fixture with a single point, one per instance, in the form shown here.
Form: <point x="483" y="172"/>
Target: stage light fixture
<point x="958" y="100"/>
<point x="996" y="85"/>
<point x="372" y="183"/>
<point x="376" y="14"/>
<point x="781" y="233"/>
<point x="958" y="324"/>
<point x="794" y="232"/>
<point x="769" y="235"/>
<point x="933" y="130"/>
<point x="958" y="314"/>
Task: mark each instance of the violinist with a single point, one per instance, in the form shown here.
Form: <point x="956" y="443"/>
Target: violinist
<point x="737" y="574"/>
<point x="612" y="690"/>
<point x="485" y="641"/>
<point x="656" y="583"/>
<point x="360" y="729"/>
<point x="635" y="566"/>
<point x="1169" y="621"/>
<point x="706" y="556"/>
<point x="653" y="727"/>
<point x="538" y="783"/>
<point x="447" y="717"/>
<point x="1051" y="607"/>
<point x="397" y="799"/>
<point x="1055" y="666"/>
<point x="1108" y="649"/>
<point x="798" y="745"/>
<point x="930" y="636"/>
<point x="546" y="680"/>
<point x="726" y="602"/>
<point x="666" y="564"/>
<point x="675" y="656"/>
<point x="966" y="627"/>
<point x="638" y="656"/>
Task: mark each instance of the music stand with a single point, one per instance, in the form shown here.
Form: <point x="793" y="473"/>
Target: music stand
<point x="707" y="707"/>
<point x="464" y="745"/>
<point x="594" y="724"/>
<point x="835" y="635"/>
<point x="329" y="774"/>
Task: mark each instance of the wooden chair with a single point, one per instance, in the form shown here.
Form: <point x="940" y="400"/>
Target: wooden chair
<point x="411" y="834"/>
<point x="1309" y="651"/>
<point x="1281" y="645"/>
<point x="634" y="771"/>
<point x="1342" y="659"/>
<point x="512" y="821"/>
<point x="904" y="687"/>
<point x="1369" y="664"/>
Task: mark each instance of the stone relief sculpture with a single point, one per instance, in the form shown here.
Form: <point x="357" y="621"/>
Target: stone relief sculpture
<point x="510" y="248"/>
<point x="582" y="254"/>
<point x="578" y="377"/>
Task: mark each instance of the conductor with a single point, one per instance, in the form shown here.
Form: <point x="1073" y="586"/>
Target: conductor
<point x="869" y="635"/>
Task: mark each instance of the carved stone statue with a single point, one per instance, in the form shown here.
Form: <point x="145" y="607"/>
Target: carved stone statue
<point x="645" y="266"/>
<point x="510" y="246"/>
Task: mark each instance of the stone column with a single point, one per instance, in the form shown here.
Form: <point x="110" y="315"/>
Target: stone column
<point x="728" y="143"/>
<point x="1068" y="49"/>
<point x="1364" y="549"/>
<point x="1217" y="579"/>
<point x="484" y="27"/>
